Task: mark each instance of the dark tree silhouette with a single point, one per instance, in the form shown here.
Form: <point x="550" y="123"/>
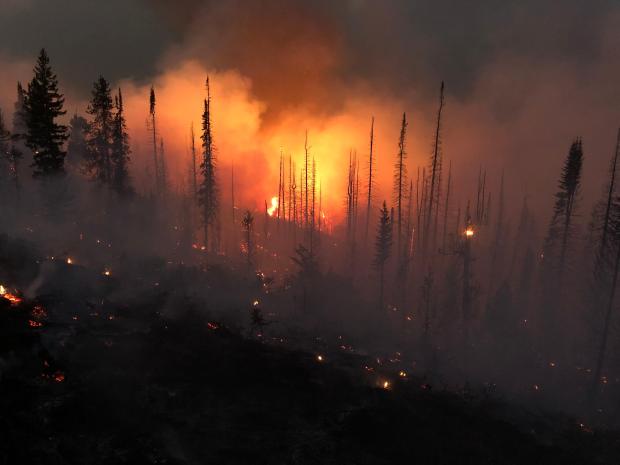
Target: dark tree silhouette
<point x="121" y="181"/>
<point x="19" y="130"/>
<point x="100" y="130"/>
<point x="370" y="180"/>
<point x="606" y="222"/>
<point x="194" y="171"/>
<point x="43" y="104"/>
<point x="435" y="175"/>
<point x="561" y="225"/>
<point x="400" y="181"/>
<point x="208" y="188"/>
<point x="152" y="127"/>
<point x="248" y="228"/>
<point x="383" y="245"/>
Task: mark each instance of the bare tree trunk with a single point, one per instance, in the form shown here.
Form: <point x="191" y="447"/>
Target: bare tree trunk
<point x="434" y="169"/>
<point x="607" y="323"/>
<point x="446" y="207"/>
<point x="369" y="197"/>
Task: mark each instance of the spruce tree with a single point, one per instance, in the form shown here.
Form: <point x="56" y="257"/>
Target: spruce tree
<point x="208" y="188"/>
<point x="383" y="244"/>
<point x="121" y="181"/>
<point x="561" y="226"/>
<point x="100" y="129"/>
<point x="43" y="104"/>
<point x="20" y="127"/>
<point x="557" y="247"/>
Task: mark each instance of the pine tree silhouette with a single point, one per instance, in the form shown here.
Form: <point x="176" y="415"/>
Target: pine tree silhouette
<point x="43" y="104"/>
<point x="383" y="245"/>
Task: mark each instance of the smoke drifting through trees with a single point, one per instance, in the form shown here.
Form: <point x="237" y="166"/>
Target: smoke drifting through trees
<point x="434" y="301"/>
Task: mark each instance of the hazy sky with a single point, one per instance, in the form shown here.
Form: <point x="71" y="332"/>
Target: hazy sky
<point x="522" y="77"/>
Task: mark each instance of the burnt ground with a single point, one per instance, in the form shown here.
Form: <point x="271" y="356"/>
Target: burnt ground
<point x="185" y="391"/>
<point x="88" y="382"/>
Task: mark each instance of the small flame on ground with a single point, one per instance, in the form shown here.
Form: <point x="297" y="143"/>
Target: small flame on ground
<point x="69" y="261"/>
<point x="469" y="232"/>
<point x="12" y="298"/>
<point x="385" y="385"/>
<point x="319" y="358"/>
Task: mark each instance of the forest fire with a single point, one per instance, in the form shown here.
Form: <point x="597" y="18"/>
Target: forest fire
<point x="12" y="298"/>
<point x="424" y="255"/>
<point x="274" y="206"/>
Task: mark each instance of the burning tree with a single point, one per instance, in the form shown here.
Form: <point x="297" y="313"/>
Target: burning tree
<point x="43" y="104"/>
<point x="248" y="226"/>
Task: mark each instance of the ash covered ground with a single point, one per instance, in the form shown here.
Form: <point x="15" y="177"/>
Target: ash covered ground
<point x="154" y="362"/>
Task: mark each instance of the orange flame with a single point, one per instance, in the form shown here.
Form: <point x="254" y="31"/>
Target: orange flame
<point x="274" y="206"/>
<point x="12" y="298"/>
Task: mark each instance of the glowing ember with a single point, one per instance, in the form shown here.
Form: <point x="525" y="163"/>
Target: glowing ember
<point x="274" y="206"/>
<point x="38" y="312"/>
<point x="255" y="303"/>
<point x="386" y="385"/>
<point x="469" y="232"/>
<point x="12" y="298"/>
<point x="69" y="261"/>
<point x="34" y="324"/>
<point x="402" y="374"/>
<point x="107" y="273"/>
<point x="319" y="358"/>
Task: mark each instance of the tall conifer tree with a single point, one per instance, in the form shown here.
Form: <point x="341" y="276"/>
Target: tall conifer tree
<point x="43" y="104"/>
